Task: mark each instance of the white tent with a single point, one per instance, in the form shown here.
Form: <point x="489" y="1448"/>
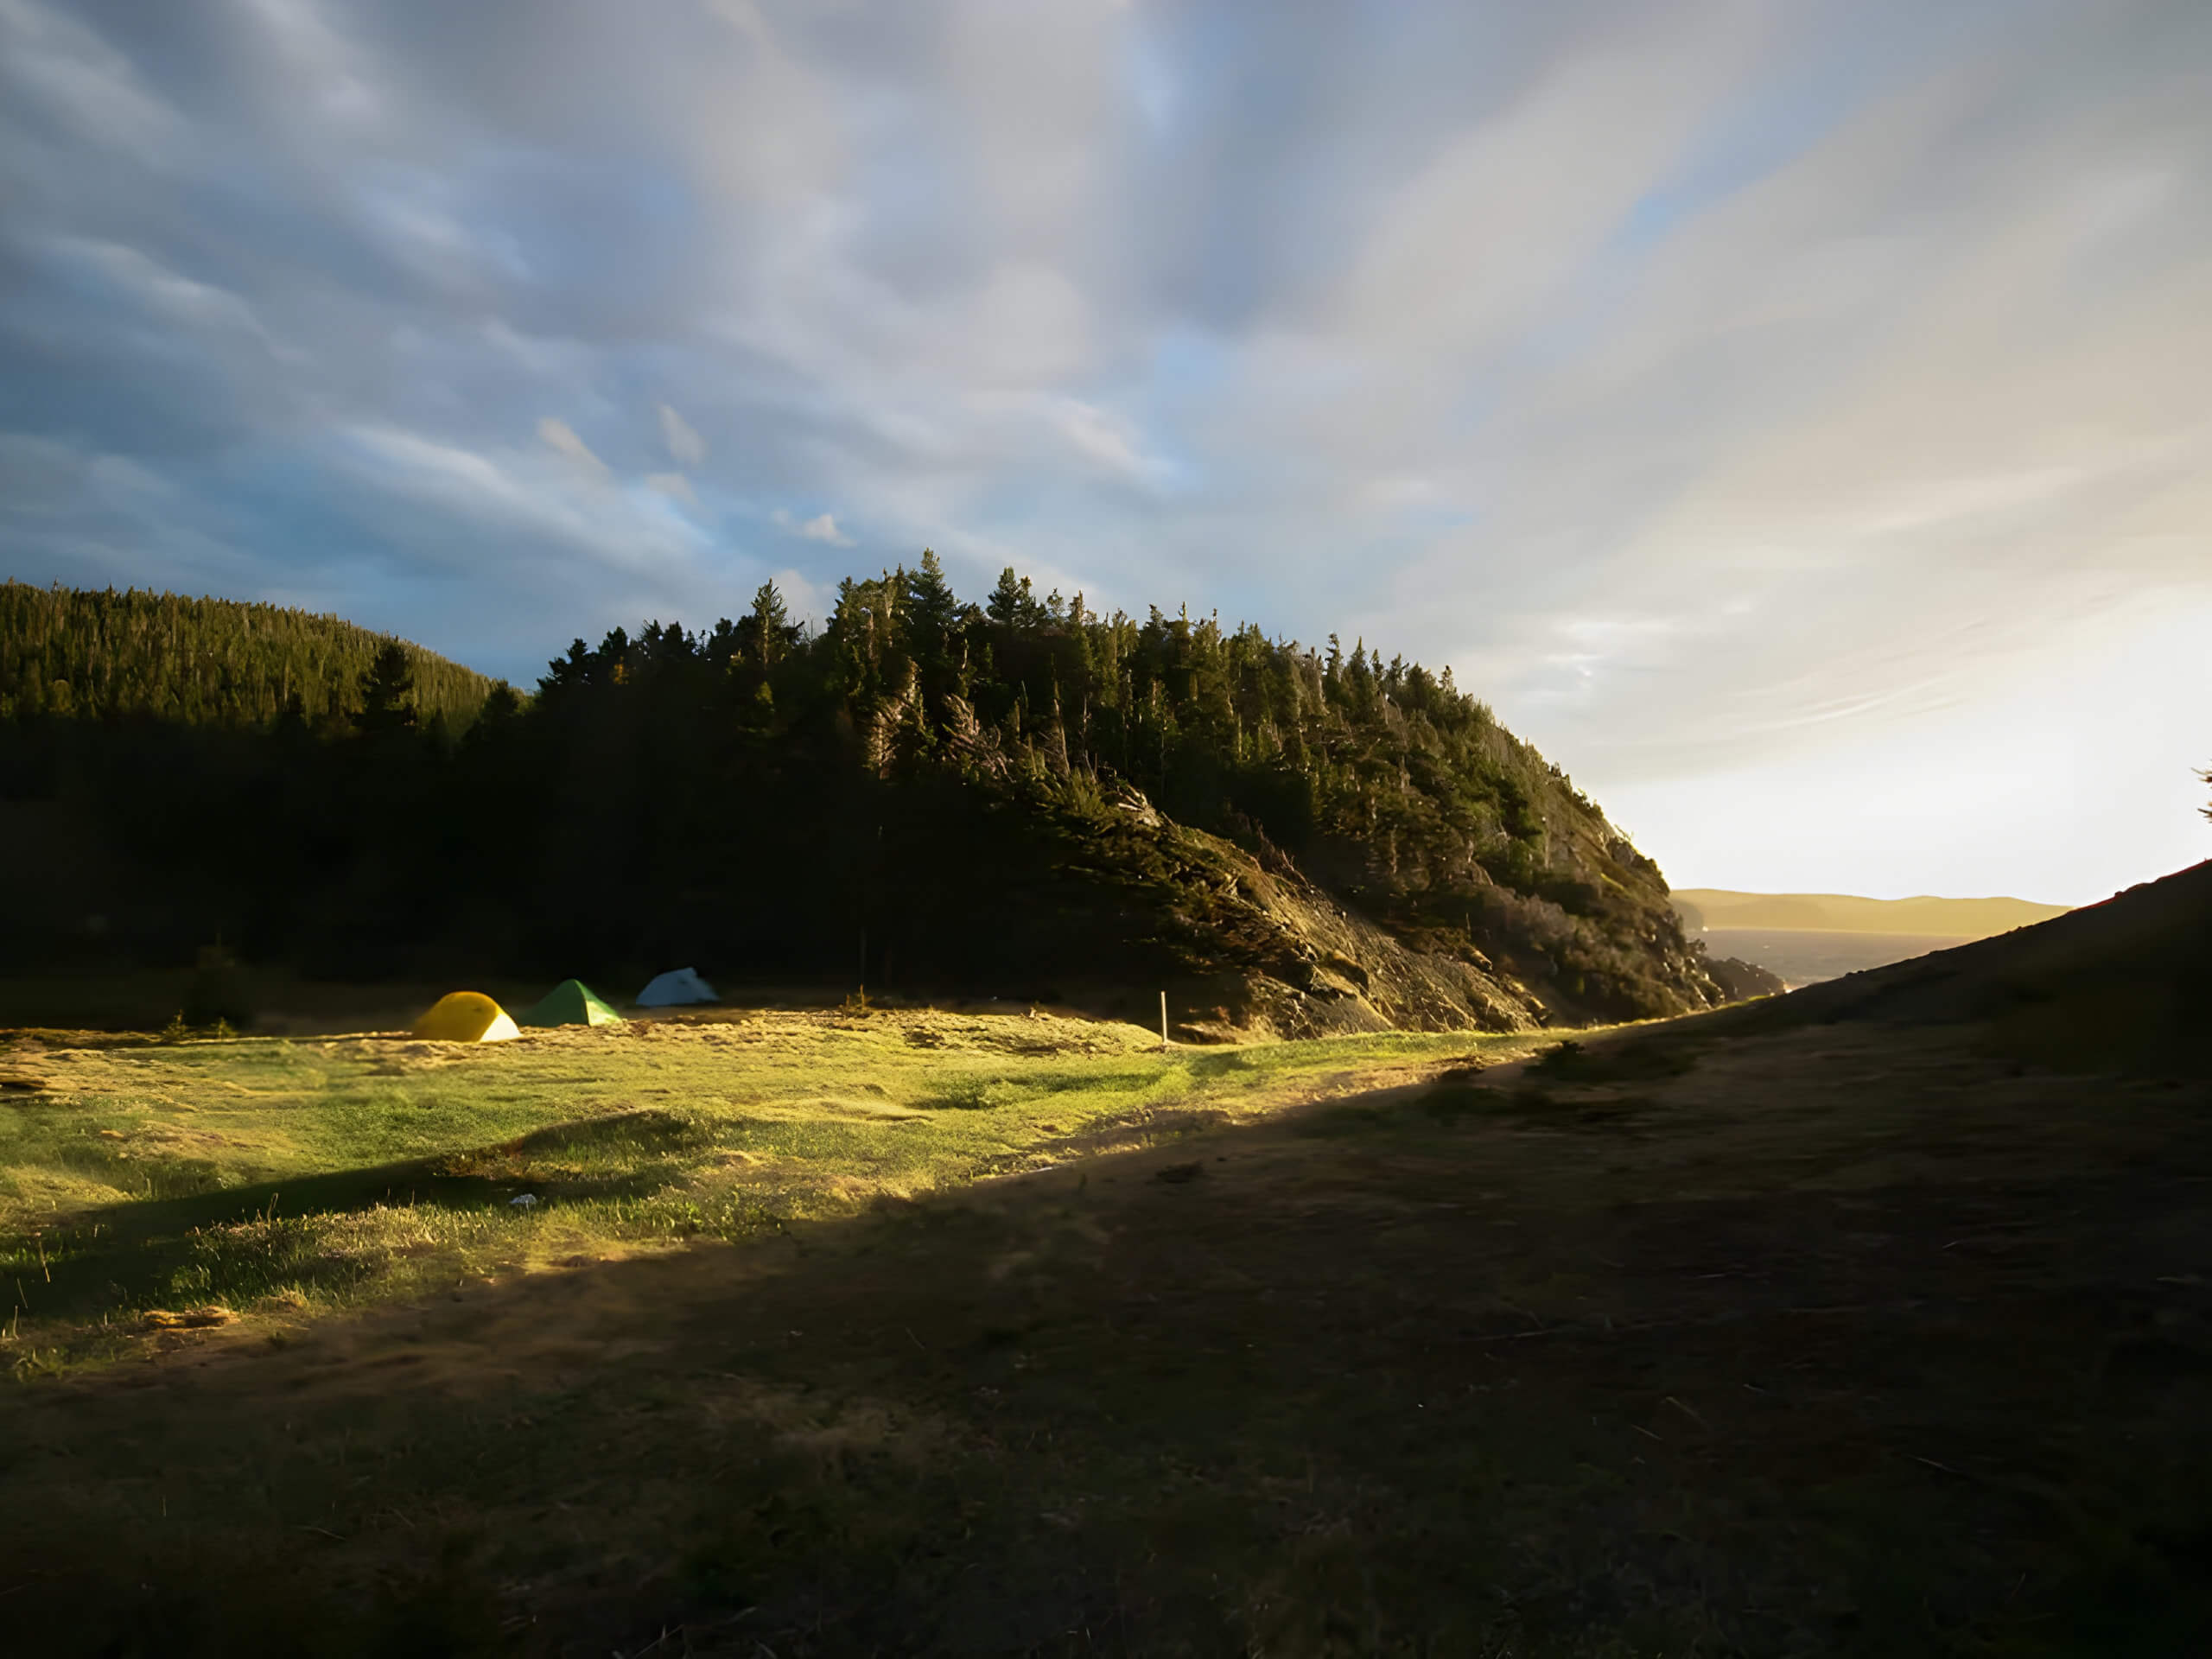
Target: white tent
<point x="670" y="990"/>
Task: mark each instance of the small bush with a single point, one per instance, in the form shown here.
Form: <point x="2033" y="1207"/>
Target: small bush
<point x="1634" y="1062"/>
<point x="1568" y="1059"/>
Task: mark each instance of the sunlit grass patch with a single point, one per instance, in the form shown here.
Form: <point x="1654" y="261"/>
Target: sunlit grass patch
<point x="278" y="1176"/>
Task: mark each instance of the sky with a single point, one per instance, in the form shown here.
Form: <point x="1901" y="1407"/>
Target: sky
<point x="1792" y="418"/>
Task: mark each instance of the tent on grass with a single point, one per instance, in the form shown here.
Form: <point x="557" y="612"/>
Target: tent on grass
<point x="571" y="1003"/>
<point x="671" y="989"/>
<point x="466" y="1017"/>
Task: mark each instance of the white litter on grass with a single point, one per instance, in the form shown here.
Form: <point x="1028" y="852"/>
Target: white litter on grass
<point x="527" y="1201"/>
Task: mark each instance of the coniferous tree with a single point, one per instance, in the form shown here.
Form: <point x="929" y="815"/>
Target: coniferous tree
<point x="765" y="634"/>
<point x="388" y="693"/>
<point x="1013" y="602"/>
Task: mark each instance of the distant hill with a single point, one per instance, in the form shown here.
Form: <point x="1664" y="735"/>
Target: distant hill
<point x="1717" y="909"/>
<point x="98" y="655"/>
<point x="2122" y="985"/>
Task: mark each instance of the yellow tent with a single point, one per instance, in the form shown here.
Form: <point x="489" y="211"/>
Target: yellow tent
<point x="466" y="1017"/>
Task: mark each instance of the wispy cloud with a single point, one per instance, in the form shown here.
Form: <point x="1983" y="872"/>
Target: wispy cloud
<point x="76" y="77"/>
<point x="561" y="436"/>
<point x="823" y="528"/>
<point x="686" y="446"/>
<point x="1716" y="388"/>
<point x="146" y="285"/>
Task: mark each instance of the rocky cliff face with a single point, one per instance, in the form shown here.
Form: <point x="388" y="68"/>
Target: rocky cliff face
<point x="1250" y="945"/>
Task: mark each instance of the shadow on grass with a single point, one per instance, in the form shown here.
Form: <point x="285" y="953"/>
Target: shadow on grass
<point x="1206" y="1067"/>
<point x="1644" y="1058"/>
<point x="1456" y="1102"/>
<point x="969" y="1094"/>
<point x="1283" y="1407"/>
<point x="166" y="1249"/>
<point x="992" y="1088"/>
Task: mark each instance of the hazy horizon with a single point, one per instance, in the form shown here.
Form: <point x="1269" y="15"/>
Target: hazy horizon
<point x="1791" y="422"/>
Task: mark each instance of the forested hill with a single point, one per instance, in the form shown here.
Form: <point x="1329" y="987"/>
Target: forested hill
<point x="1018" y="797"/>
<point x="98" y="655"/>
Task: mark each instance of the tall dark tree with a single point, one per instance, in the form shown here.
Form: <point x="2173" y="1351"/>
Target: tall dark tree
<point x="388" y="702"/>
<point x="1013" y="602"/>
<point x="932" y="609"/>
<point x="766" y="636"/>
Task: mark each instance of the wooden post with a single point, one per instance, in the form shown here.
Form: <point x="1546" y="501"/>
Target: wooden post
<point x="1163" y="1020"/>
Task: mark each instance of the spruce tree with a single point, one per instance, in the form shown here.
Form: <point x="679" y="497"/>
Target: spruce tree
<point x="767" y="629"/>
<point x="1013" y="603"/>
<point x="932" y="622"/>
<point x="388" y="692"/>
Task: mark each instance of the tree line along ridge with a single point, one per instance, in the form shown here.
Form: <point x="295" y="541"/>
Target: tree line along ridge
<point x="100" y="655"/>
<point x="1019" y="790"/>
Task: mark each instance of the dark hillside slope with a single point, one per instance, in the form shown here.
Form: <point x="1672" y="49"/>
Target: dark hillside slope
<point x="2123" y="985"/>
<point x="92" y="655"/>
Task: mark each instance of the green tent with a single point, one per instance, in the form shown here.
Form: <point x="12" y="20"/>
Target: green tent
<point x="571" y="1003"/>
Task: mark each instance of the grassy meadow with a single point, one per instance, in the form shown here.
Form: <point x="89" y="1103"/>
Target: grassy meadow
<point x="928" y="1334"/>
<point x="147" y="1183"/>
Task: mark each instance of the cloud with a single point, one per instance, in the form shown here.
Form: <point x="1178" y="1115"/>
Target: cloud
<point x="820" y="528"/>
<point x="1716" y="388"/>
<point x="76" y="76"/>
<point x="153" y="288"/>
<point x="804" y="600"/>
<point x="1095" y="433"/>
<point x="560" y="435"/>
<point x="687" y="446"/>
<point x="330" y="71"/>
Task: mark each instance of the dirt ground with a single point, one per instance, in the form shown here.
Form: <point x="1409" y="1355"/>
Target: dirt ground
<point x="1842" y="1339"/>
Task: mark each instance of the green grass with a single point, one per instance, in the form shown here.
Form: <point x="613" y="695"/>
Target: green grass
<point x="280" y="1177"/>
<point x="1789" y="1330"/>
<point x="1825" y="1340"/>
